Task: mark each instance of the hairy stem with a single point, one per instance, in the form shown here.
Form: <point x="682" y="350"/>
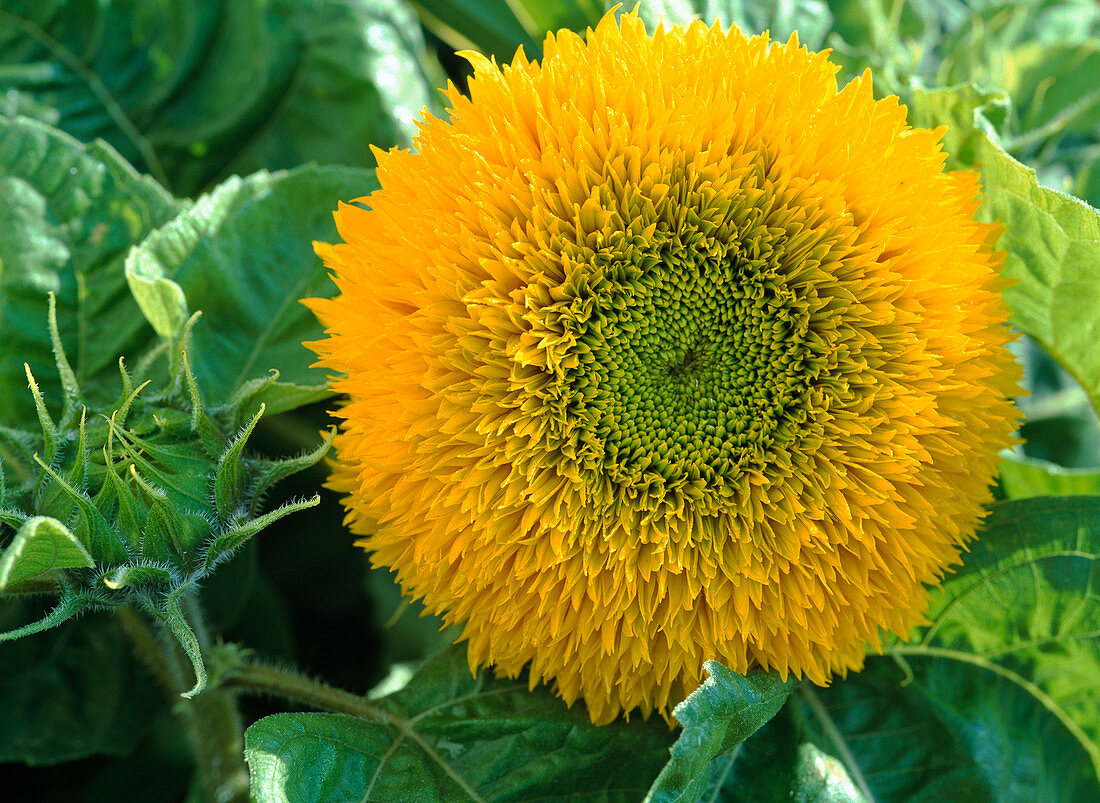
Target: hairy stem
<point x="213" y="722"/>
<point x="149" y="649"/>
<point x="260" y="679"/>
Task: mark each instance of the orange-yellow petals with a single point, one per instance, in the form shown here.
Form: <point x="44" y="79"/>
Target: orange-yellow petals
<point x="666" y="350"/>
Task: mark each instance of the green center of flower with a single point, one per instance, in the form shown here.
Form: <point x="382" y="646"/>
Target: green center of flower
<point x="692" y="353"/>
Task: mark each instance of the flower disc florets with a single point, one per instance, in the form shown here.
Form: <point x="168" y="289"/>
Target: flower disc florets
<point x="665" y="350"/>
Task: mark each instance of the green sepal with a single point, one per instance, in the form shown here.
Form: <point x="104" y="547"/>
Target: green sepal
<point x="226" y="544"/>
<point x="142" y="577"/>
<point x="49" y="429"/>
<point x="101" y="540"/>
<point x="122" y="411"/>
<point x="169" y="611"/>
<point x="251" y="393"/>
<point x="176" y="468"/>
<point x="164" y="534"/>
<point x="72" y="398"/>
<point x="41" y="545"/>
<point x="177" y="353"/>
<point x="272" y="472"/>
<point x="78" y="474"/>
<point x="128" y="516"/>
<point x="72" y="603"/>
<point x="12" y="517"/>
<point x="229" y="478"/>
<point x="213" y="440"/>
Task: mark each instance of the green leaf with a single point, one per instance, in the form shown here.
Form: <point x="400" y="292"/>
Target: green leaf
<point x="161" y="300"/>
<point x="810" y="18"/>
<point x="498" y="27"/>
<point x="966" y="111"/>
<point x="230" y="473"/>
<point x="774" y="764"/>
<point x="74" y="692"/>
<point x="451" y="736"/>
<point x="194" y="93"/>
<point x="717" y="717"/>
<point x="1021" y="478"/>
<point x="1052" y="242"/>
<point x="230" y="541"/>
<point x="996" y="700"/>
<point x="242" y="255"/>
<point x="820" y="778"/>
<point x="68" y="213"/>
<point x="169" y="612"/>
<point x="489" y="26"/>
<point x="763" y="767"/>
<point x="41" y="545"/>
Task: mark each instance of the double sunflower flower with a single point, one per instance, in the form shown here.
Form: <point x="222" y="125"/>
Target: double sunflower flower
<point x="666" y="350"/>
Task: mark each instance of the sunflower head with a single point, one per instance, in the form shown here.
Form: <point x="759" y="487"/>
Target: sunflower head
<point x="666" y="350"/>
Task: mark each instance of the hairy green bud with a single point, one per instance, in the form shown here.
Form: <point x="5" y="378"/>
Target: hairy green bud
<point x="136" y="503"/>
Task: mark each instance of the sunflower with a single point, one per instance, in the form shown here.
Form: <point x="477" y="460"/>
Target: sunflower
<point x="666" y="350"/>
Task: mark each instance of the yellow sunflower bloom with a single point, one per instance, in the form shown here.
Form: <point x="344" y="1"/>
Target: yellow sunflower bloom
<point x="666" y="350"/>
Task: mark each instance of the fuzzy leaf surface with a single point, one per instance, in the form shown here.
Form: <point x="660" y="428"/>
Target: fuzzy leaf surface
<point x="1052" y="242"/>
<point x="717" y="717"/>
<point x="72" y="692"/>
<point x="455" y="737"/>
<point x="69" y="213"/>
<point x="194" y="92"/>
<point x="41" y="545"/>
<point x="997" y="699"/>
<point x="242" y="256"/>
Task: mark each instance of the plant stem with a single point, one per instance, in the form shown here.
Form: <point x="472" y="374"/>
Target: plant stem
<point x="148" y="648"/>
<point x="212" y="719"/>
<point x="215" y="726"/>
<point x="259" y="679"/>
<point x="217" y="735"/>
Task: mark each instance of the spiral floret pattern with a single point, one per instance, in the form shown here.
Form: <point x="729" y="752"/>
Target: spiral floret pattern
<point x="666" y="350"/>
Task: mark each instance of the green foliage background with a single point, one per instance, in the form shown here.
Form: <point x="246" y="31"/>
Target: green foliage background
<point x="162" y="159"/>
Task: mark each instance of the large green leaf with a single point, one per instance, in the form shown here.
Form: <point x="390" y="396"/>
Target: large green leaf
<point x="775" y="764"/>
<point x="243" y="256"/>
<point x="763" y="767"/>
<point x="717" y="717"/>
<point x="997" y="699"/>
<point x="450" y="736"/>
<point x="1052" y="242"/>
<point x="72" y="692"/>
<point x="68" y="214"/>
<point x="192" y="92"/>
<point x="1022" y="478"/>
